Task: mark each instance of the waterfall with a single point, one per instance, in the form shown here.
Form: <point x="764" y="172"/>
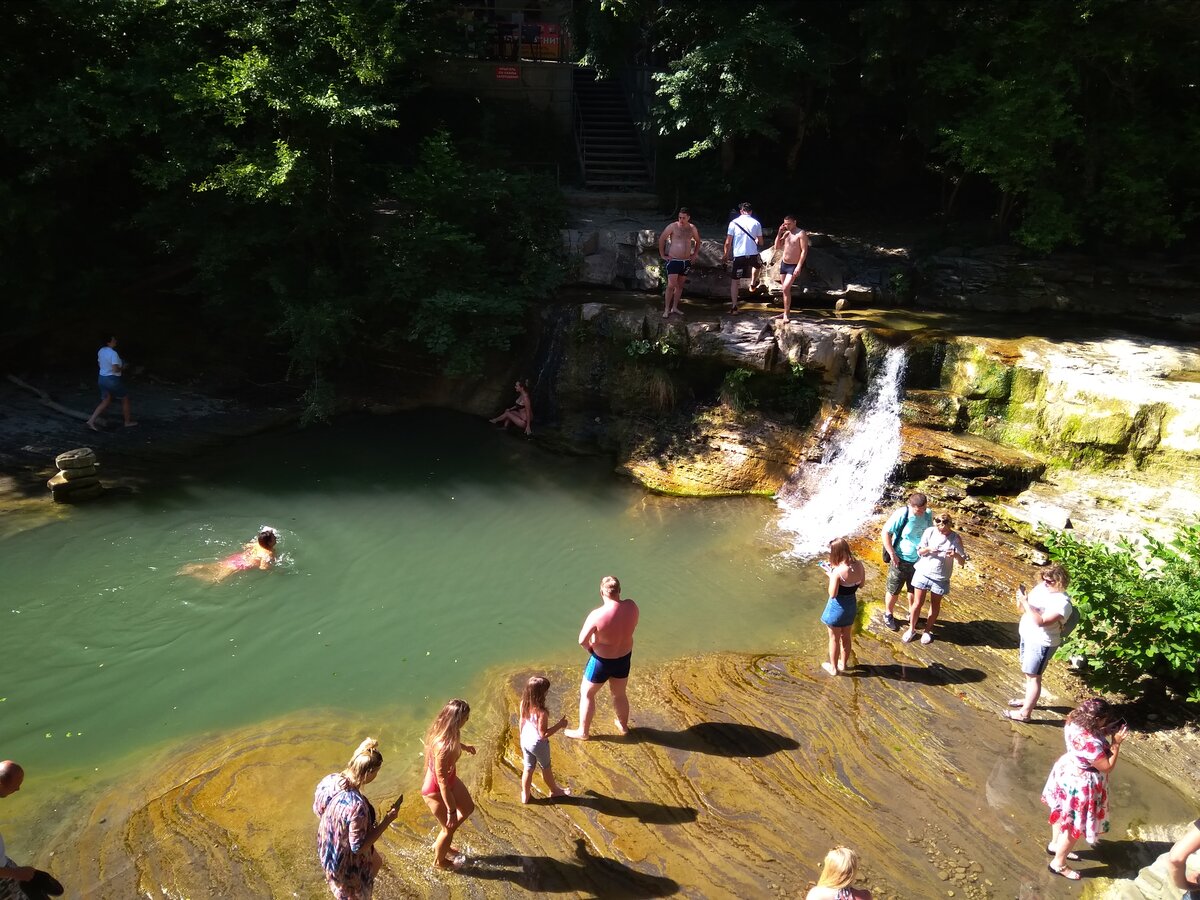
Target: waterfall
<point x="834" y="498"/>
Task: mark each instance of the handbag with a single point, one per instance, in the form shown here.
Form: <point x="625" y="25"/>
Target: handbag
<point x="757" y="258"/>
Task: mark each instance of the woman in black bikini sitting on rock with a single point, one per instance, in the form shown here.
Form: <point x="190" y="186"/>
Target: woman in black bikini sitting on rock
<point x="520" y="413"/>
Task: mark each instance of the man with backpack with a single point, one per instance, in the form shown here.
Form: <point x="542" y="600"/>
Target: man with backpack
<point x="901" y="537"/>
<point x="1046" y="617"/>
<point x="743" y="239"/>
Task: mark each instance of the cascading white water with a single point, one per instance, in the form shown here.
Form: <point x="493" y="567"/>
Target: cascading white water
<point x="834" y="498"/>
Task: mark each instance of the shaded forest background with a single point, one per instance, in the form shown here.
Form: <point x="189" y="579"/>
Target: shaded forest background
<point x="274" y="186"/>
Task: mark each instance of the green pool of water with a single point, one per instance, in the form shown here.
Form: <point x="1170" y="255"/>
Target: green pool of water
<point x="417" y="552"/>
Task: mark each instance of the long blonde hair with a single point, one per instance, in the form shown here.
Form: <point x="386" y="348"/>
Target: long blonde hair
<point x="445" y="734"/>
<point x="839" y="869"/>
<point x="366" y="759"/>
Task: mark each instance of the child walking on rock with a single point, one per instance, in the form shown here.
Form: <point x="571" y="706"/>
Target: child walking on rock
<point x="535" y="744"/>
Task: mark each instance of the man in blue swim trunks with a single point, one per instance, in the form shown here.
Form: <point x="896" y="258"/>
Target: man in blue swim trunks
<point x="607" y="635"/>
<point x="683" y="238"/>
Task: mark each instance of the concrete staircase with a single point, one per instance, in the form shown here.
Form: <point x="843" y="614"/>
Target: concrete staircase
<point x="609" y="149"/>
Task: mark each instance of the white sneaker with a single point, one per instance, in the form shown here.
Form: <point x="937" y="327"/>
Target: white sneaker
<point x="927" y="638"/>
<point x="908" y="636"/>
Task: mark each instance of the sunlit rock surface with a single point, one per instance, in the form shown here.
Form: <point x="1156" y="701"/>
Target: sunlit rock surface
<point x="741" y="771"/>
<point x="723" y="454"/>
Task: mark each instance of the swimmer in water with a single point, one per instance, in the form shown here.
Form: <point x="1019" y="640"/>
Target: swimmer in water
<point x="257" y="554"/>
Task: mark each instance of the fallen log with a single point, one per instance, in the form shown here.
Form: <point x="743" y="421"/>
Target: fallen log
<point x="46" y="401"/>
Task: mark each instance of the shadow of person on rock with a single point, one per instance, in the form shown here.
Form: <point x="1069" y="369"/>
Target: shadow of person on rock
<point x="713" y="738"/>
<point x="1121" y="859"/>
<point x="584" y="874"/>
<point x="979" y="633"/>
<point x="644" y="811"/>
<point x="935" y="674"/>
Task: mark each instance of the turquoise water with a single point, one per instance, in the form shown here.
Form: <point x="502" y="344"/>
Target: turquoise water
<point x="417" y="552"/>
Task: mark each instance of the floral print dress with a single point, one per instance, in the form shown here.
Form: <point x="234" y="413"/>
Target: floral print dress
<point x="346" y="819"/>
<point x="1076" y="792"/>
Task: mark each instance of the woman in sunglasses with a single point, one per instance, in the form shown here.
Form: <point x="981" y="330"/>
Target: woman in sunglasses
<point x="936" y="553"/>
<point x="1043" y="610"/>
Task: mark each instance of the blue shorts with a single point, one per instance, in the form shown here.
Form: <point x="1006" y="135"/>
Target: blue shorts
<point x="839" y="614"/>
<point x="1034" y="659"/>
<point x="599" y="669"/>
<point x="786" y="269"/>
<point x="110" y="385"/>
<point x="677" y="266"/>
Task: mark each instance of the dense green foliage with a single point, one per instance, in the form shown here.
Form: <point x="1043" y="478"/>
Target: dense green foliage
<point x="280" y="168"/>
<point x="1073" y="120"/>
<point x="1139" y="611"/>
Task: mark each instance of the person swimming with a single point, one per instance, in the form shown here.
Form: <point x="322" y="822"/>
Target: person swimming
<point x="256" y="554"/>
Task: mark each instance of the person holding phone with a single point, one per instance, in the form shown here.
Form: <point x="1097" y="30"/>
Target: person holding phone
<point x="1077" y="790"/>
<point x="349" y="827"/>
<point x="1043" y="611"/>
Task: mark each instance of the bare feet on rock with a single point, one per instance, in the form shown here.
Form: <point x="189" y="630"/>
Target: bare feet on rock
<point x="622" y="728"/>
<point x="577" y="733"/>
<point x="829" y="670"/>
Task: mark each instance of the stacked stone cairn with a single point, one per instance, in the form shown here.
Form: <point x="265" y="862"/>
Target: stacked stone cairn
<point x="76" y="479"/>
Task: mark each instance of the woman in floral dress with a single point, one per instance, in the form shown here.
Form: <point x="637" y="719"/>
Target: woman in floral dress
<point x="348" y="831"/>
<point x="1077" y="789"/>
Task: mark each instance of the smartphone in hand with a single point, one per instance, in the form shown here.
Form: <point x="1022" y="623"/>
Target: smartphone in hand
<point x="825" y="567"/>
<point x="399" y="800"/>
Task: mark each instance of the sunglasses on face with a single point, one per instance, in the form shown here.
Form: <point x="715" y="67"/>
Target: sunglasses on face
<point x="942" y="521"/>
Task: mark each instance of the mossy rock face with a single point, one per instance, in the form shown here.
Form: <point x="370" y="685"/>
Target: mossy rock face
<point x="971" y="372"/>
<point x="1026" y="391"/>
<point x="934" y="409"/>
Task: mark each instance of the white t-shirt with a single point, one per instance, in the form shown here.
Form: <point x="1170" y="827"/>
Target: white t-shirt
<point x="744" y="244"/>
<point x="1048" y="603"/>
<point x="107" y="357"/>
<point x="939" y="565"/>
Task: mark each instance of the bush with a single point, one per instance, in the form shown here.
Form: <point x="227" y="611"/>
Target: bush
<point x="736" y="392"/>
<point x="1139" y="611"/>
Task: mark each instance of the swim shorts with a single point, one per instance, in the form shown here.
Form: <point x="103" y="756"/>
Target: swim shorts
<point x="786" y="269"/>
<point x="112" y="386"/>
<point x="900" y="574"/>
<point x="742" y="265"/>
<point x="1034" y="658"/>
<point x="677" y="266"/>
<point x="599" y="669"/>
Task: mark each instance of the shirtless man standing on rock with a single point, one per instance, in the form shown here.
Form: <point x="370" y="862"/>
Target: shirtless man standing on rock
<point x="684" y="240"/>
<point x="795" y="250"/>
<point x="607" y="635"/>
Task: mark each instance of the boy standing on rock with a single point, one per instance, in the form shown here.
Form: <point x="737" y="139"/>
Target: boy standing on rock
<point x="743" y="239"/>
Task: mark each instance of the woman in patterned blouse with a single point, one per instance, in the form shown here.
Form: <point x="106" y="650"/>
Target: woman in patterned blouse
<point x="1077" y="789"/>
<point x="348" y="831"/>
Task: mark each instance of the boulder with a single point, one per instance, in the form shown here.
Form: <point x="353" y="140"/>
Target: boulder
<point x="720" y="455"/>
<point x="60" y="485"/>
<point x="734" y="341"/>
<point x="833" y="349"/>
<point x="76" y="459"/>
<point x="986" y="467"/>
<point x="78" y="474"/>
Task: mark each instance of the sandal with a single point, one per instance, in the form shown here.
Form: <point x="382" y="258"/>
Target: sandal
<point x="1016" y="702"/>
<point x="1066" y="872"/>
<point x="1009" y="714"/>
<point x="1072" y="855"/>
